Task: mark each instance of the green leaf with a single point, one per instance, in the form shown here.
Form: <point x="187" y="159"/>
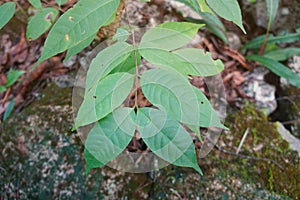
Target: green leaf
<point x="9" y="109"/>
<point x="167" y="138"/>
<point x="186" y="61"/>
<point x="13" y="76"/>
<point x="272" y="7"/>
<point x="105" y="61"/>
<point x="208" y="116"/>
<point x="194" y="4"/>
<point x="172" y="93"/>
<point x="79" y="47"/>
<point x="7" y="11"/>
<point x="202" y="63"/>
<point x="121" y="35"/>
<point x="108" y="95"/>
<point x="213" y="24"/>
<point x="129" y="64"/>
<point x="229" y="10"/>
<point x="285" y="38"/>
<point x="109" y="137"/>
<point x="36" y="4"/>
<point x="278" y="69"/>
<point x="169" y="36"/>
<point x="204" y="7"/>
<point x="60" y="2"/>
<point x="77" y="25"/>
<point x="283" y="54"/>
<point x="209" y="18"/>
<point x="2" y="88"/>
<point x="40" y="23"/>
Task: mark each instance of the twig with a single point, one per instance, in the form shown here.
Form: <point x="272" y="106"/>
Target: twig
<point x="3" y="101"/>
<point x="217" y="147"/>
<point x="242" y="141"/>
<point x="289" y="97"/>
<point x="291" y="121"/>
<point x="236" y="56"/>
<point x="176" y="193"/>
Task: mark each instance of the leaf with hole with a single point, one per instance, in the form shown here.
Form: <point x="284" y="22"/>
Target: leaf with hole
<point x="7" y="11"/>
<point x="109" y="137"/>
<point x="79" y="47"/>
<point x="77" y="25"/>
<point x="167" y="138"/>
<point x="208" y="116"/>
<point x="40" y="23"/>
<point x="105" y="61"/>
<point x="108" y="95"/>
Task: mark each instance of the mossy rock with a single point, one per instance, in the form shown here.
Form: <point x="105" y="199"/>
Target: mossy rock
<point x="262" y="141"/>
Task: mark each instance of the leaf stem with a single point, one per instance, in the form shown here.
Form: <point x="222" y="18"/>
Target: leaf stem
<point x="135" y="55"/>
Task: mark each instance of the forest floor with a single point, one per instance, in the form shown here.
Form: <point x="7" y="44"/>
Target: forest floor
<point x="42" y="158"/>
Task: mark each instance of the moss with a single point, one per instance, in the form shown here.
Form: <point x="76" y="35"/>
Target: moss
<point x="55" y="95"/>
<point x="271" y="179"/>
<point x="294" y="107"/>
<point x="263" y="141"/>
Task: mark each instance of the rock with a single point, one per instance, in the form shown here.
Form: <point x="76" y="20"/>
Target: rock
<point x="287" y="16"/>
<point x="286" y="135"/>
<point x="184" y="9"/>
<point x="264" y="93"/>
<point x="234" y="41"/>
<point x="70" y="62"/>
<point x="294" y="65"/>
<point x="63" y="81"/>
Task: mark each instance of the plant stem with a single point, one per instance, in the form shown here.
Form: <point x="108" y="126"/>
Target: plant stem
<point x="135" y="56"/>
<point x="263" y="46"/>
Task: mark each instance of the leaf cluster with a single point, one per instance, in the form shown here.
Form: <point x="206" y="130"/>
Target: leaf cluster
<point x="175" y="101"/>
<point x="113" y="74"/>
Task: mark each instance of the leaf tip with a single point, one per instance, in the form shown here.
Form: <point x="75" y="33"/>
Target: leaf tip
<point x="198" y="169"/>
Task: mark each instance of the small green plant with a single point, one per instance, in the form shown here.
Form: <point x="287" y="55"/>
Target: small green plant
<point x="167" y="87"/>
<point x="269" y="54"/>
<point x="115" y="72"/>
<point x="12" y="77"/>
